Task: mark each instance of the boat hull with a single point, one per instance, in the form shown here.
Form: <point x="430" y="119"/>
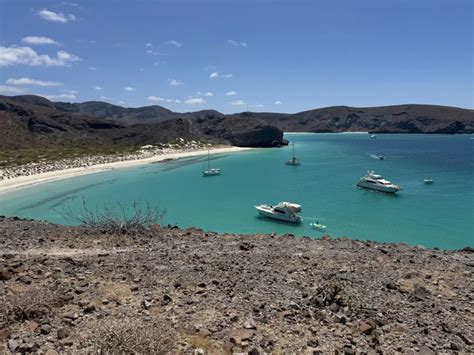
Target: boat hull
<point x="284" y="218"/>
<point x="211" y="172"/>
<point x="386" y="189"/>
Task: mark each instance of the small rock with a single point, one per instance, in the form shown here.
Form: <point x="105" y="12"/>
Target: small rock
<point x="89" y="308"/>
<point x="5" y="275"/>
<point x="45" y="329"/>
<point x="166" y="300"/>
<point x="250" y="324"/>
<point x="313" y="343"/>
<point x="63" y="333"/>
<point x="365" y="328"/>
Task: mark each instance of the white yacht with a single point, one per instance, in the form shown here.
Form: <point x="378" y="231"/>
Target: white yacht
<point x="210" y="171"/>
<point x="283" y="211"/>
<point x="428" y="181"/>
<point x="373" y="136"/>
<point x="374" y="181"/>
<point x="294" y="160"/>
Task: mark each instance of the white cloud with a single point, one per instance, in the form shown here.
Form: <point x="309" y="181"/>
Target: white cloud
<point x="210" y="67"/>
<point x="177" y="101"/>
<point x="67" y="91"/>
<point x="55" y="17"/>
<point x="174" y="43"/>
<point x="237" y="44"/>
<point x="231" y="93"/>
<point x="257" y="105"/>
<point x="209" y="94"/>
<point x="61" y="97"/>
<point x="28" y="56"/>
<point x="121" y="102"/>
<point x="10" y="90"/>
<point x="216" y="75"/>
<point x="28" y="81"/>
<point x="195" y="101"/>
<point x="154" y="98"/>
<point x="129" y="88"/>
<point x="105" y="98"/>
<point x="152" y="52"/>
<point x="92" y="68"/>
<point x="237" y="103"/>
<point x="39" y="40"/>
<point x="148" y="45"/>
<point x="277" y="102"/>
<point x="174" y="82"/>
<point x="98" y="88"/>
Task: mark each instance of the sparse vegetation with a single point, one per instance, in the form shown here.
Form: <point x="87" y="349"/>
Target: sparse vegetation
<point x="115" y="218"/>
<point x="131" y="336"/>
<point x="31" y="304"/>
<point x="15" y="157"/>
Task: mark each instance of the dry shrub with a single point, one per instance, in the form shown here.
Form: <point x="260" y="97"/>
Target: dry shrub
<point x="115" y="218"/>
<point x="131" y="336"/>
<point x="31" y="304"/>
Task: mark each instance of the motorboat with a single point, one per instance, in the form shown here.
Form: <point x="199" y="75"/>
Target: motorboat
<point x="376" y="182"/>
<point x="373" y="136"/>
<point x="318" y="226"/>
<point x="428" y="181"/>
<point x="210" y="171"/>
<point x="381" y="157"/>
<point x="283" y="211"/>
<point x="294" y="160"/>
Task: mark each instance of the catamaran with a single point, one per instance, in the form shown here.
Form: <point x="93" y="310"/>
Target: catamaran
<point x="376" y="182"/>
<point x="294" y="160"/>
<point x="210" y="171"/>
<point x="283" y="211"/>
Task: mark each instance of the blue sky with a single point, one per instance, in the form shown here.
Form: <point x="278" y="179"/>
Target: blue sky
<point x="282" y="56"/>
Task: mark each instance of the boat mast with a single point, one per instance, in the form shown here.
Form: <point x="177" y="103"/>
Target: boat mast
<point x="208" y="161"/>
<point x="294" y="151"/>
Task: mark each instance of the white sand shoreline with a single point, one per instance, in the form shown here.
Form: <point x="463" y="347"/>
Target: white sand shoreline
<point x="20" y="182"/>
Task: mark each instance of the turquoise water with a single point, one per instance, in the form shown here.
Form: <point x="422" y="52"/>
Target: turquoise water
<point x="438" y="215"/>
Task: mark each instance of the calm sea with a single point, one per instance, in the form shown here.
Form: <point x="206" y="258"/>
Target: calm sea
<point x="437" y="215"/>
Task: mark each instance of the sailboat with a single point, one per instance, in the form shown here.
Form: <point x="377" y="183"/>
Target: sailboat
<point x="210" y="171"/>
<point x="294" y="160"/>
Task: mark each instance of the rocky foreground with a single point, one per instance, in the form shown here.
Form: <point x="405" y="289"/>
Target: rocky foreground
<point x="78" y="290"/>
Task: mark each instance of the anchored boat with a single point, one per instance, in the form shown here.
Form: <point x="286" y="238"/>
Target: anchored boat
<point x="376" y="182"/>
<point x="210" y="171"/>
<point x="294" y="160"/>
<point x="283" y="211"/>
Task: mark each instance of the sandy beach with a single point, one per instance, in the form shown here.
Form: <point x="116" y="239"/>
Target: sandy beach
<point x="19" y="182"/>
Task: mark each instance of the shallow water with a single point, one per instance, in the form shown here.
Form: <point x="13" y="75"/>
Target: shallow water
<point x="437" y="215"/>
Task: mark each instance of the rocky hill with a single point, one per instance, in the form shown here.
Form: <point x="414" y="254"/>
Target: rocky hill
<point x="35" y="122"/>
<point x="409" y="118"/>
<point x="167" y="290"/>
<point x="384" y="119"/>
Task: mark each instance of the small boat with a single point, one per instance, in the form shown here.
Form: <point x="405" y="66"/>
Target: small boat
<point x="381" y="157"/>
<point x="318" y="226"/>
<point x="293" y="161"/>
<point x="376" y="182"/>
<point x="283" y="211"/>
<point x="373" y="136"/>
<point x="428" y="181"/>
<point x="210" y="171"/>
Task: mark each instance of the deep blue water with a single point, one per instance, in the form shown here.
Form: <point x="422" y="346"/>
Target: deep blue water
<point x="438" y="215"/>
